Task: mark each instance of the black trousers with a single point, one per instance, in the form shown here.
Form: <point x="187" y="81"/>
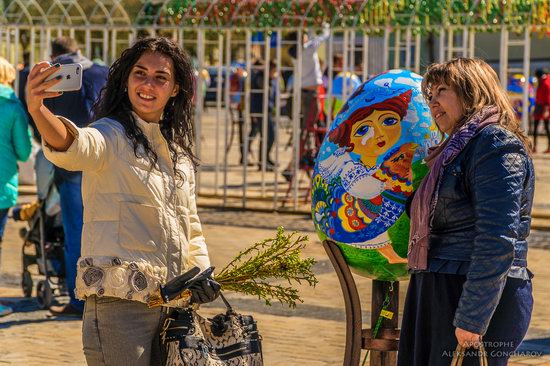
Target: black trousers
<point x="427" y="331"/>
<point x="546" y="128"/>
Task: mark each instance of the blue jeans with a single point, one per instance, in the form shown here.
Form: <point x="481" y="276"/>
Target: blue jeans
<point x="71" y="213"/>
<point x="3" y="220"/>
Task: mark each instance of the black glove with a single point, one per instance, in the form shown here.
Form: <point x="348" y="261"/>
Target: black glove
<point x="204" y="290"/>
<point x="177" y="285"/>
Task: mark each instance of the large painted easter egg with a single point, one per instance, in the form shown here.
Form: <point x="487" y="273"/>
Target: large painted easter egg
<point x="368" y="165"/>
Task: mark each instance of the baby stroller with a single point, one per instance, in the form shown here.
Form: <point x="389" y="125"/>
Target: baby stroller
<point x="43" y="240"/>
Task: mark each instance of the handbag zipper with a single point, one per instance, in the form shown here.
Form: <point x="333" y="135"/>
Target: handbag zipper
<point x="230" y="352"/>
<point x="181" y="327"/>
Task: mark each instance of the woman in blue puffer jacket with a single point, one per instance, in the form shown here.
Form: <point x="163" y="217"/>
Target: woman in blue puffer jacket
<point x="15" y="145"/>
<point x="470" y="219"/>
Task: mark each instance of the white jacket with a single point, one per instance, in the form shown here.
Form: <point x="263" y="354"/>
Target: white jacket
<point x="141" y="228"/>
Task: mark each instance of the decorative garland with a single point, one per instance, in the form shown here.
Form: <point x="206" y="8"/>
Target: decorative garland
<point x="422" y="15"/>
<point x="367" y="15"/>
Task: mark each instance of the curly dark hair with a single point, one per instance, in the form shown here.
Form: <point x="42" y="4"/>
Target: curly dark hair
<point x="177" y="121"/>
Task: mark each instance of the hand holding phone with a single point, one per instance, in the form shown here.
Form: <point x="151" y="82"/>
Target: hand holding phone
<point x="51" y="128"/>
<point x="70" y="78"/>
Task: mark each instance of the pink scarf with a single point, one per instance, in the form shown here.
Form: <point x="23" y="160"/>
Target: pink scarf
<point x="425" y="199"/>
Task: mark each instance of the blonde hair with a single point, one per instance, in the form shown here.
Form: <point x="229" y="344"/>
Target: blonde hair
<point x="7" y="72"/>
<point x="477" y="86"/>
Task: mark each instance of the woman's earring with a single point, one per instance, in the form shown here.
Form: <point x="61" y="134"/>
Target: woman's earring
<point x="125" y="89"/>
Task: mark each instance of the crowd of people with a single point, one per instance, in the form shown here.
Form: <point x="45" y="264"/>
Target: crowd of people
<point x="122" y="150"/>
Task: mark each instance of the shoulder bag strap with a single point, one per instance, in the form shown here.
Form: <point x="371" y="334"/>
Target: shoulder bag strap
<point x="227" y="304"/>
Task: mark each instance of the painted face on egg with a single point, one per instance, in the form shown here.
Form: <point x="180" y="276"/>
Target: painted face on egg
<point x="374" y="135"/>
<point x="373" y="130"/>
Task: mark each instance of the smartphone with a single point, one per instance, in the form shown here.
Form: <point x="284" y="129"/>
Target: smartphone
<point x="71" y="78"/>
<point x="207" y="273"/>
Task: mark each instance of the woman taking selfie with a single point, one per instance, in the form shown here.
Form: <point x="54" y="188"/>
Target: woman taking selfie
<point x="470" y="218"/>
<point x="140" y="218"/>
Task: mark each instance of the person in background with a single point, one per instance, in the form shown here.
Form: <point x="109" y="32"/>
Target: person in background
<point x="311" y="82"/>
<point x="23" y="75"/>
<point x="257" y="109"/>
<point x="237" y="77"/>
<point x="15" y="145"/>
<point x="76" y="106"/>
<point x="337" y="67"/>
<point x="470" y="219"/>
<point x="542" y="107"/>
<point x="312" y="75"/>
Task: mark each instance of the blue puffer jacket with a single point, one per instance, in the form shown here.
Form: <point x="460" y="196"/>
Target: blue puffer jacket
<point x="15" y="144"/>
<point x="481" y="221"/>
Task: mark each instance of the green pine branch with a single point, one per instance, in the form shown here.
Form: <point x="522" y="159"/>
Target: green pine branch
<point x="273" y="259"/>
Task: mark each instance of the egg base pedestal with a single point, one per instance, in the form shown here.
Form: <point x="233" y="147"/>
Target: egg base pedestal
<point x="383" y="347"/>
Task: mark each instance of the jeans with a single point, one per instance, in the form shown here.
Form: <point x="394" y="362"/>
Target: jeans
<point x="120" y="332"/>
<point x="257" y="128"/>
<point x="71" y="213"/>
<point x="3" y="221"/>
<point x="546" y="122"/>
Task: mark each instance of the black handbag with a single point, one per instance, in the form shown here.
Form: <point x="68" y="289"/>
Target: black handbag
<point x="228" y="339"/>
